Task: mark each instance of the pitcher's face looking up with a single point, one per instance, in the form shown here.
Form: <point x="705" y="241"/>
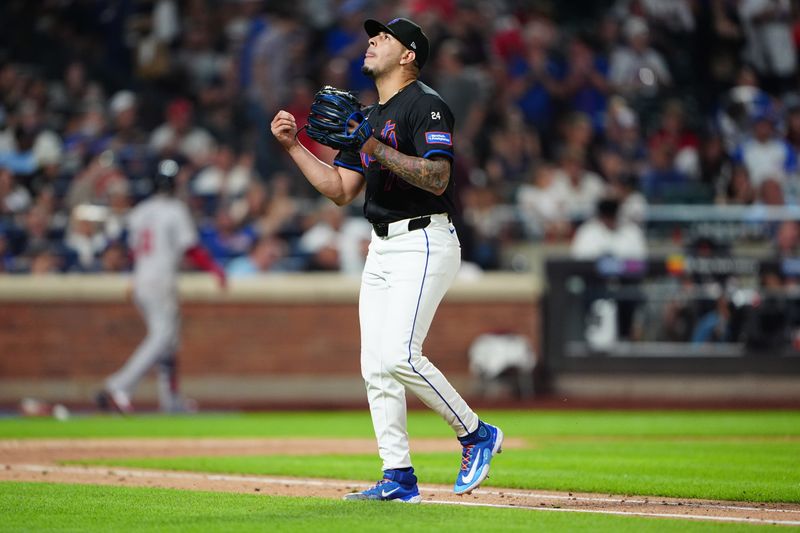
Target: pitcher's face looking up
<point x="384" y="54"/>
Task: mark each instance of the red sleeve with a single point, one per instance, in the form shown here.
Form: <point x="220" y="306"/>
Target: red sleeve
<point x="200" y="257"/>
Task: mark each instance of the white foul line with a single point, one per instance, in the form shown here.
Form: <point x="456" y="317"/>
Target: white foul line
<point x="621" y="513"/>
<point x="340" y="484"/>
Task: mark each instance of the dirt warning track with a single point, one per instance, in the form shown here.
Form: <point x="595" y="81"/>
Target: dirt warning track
<point x="39" y="460"/>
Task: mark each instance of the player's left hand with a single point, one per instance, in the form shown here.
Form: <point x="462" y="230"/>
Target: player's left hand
<point x="337" y="120"/>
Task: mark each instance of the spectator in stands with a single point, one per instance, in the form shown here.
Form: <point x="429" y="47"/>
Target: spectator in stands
<point x="739" y="190"/>
<point x="198" y="58"/>
<point x="85" y="236"/>
<point x="128" y="141"/>
<point x="36" y="232"/>
<point x="43" y="260"/>
<point x="118" y="202"/>
<point x="49" y="203"/>
<point x="612" y="166"/>
<point x="584" y="187"/>
<point x="632" y="203"/>
<point x="716" y="166"/>
<point x="335" y="241"/>
<point x="771" y="193"/>
<point x="14" y="197"/>
<point x="662" y="182"/>
<point x="464" y="89"/>
<point x="90" y="186"/>
<point x="227" y="177"/>
<point x="765" y="154"/>
<point x="543" y="204"/>
<point x="739" y="107"/>
<point x="486" y="224"/>
<point x="249" y="208"/>
<point x="638" y="71"/>
<point x="277" y="55"/>
<point x="585" y="85"/>
<point x="115" y="258"/>
<point x="344" y="40"/>
<point x="223" y="238"/>
<point x="74" y="91"/>
<point x="514" y="148"/>
<point x="266" y="255"/>
<point x="606" y="235"/>
<point x="769" y="46"/>
<point x="716" y="45"/>
<point x="791" y="104"/>
<point x="88" y="137"/>
<point x="282" y="210"/>
<point x="787" y="240"/>
<point x="27" y="143"/>
<point x="535" y="74"/>
<point x="179" y="137"/>
<point x="715" y="326"/>
<point x="577" y="134"/>
<point x="673" y="28"/>
<point x="769" y="322"/>
<point x="673" y="132"/>
<point x="623" y="135"/>
<point x="6" y="257"/>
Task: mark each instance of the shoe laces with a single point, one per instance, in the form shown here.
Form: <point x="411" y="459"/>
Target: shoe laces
<point x="466" y="456"/>
<point x="380" y="483"/>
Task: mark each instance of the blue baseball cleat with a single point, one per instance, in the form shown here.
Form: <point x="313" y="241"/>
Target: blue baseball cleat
<point x="396" y="486"/>
<point x="476" y="455"/>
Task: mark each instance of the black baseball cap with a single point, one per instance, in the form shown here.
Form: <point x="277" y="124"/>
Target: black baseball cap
<point x="405" y="31"/>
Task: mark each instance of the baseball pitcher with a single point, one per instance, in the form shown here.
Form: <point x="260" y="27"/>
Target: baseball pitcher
<point x="401" y="150"/>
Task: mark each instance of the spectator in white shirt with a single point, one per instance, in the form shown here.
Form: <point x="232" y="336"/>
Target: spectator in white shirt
<point x="765" y="154"/>
<point x="179" y="137"/>
<point x="604" y="235"/>
<point x="637" y="69"/>
<point x="584" y="187"/>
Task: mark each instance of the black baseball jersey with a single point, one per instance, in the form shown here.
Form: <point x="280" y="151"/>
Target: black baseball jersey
<point x="416" y="122"/>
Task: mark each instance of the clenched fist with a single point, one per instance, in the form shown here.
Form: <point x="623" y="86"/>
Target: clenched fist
<point x="284" y="128"/>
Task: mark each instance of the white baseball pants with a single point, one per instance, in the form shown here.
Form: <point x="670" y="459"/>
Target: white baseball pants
<point x="159" y="308"/>
<point x="405" y="277"/>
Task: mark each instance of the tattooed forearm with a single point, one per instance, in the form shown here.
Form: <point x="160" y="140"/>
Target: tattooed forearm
<point x="431" y="175"/>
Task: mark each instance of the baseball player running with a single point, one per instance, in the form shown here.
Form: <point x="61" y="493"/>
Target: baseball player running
<point x="414" y="253"/>
<point x="160" y="233"/>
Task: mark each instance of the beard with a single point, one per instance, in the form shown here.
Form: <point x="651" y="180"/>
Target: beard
<point x="368" y="71"/>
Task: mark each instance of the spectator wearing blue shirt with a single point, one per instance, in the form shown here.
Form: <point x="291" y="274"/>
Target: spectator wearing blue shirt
<point x="534" y="77"/>
<point x="585" y="85"/>
<point x="224" y="239"/>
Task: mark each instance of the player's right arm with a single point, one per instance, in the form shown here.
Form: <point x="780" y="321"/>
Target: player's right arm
<point x="339" y="184"/>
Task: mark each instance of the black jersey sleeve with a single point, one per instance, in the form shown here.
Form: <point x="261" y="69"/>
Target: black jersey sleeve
<point x="432" y="124"/>
<point x="349" y="160"/>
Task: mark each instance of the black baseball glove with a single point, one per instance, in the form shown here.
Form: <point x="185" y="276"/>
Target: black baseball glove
<point x="337" y="120"/>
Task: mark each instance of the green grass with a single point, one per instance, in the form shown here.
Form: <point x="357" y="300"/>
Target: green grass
<point x="752" y="456"/>
<point x="45" y="507"/>
<point x="763" y="471"/>
<point x="421" y="424"/>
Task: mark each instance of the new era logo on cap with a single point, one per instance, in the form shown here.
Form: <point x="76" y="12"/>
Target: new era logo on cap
<point x="405" y="31"/>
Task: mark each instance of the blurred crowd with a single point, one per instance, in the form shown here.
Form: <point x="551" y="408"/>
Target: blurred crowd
<point x="561" y="108"/>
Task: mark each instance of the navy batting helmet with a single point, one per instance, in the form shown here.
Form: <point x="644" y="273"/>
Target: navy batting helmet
<point x="165" y="175"/>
